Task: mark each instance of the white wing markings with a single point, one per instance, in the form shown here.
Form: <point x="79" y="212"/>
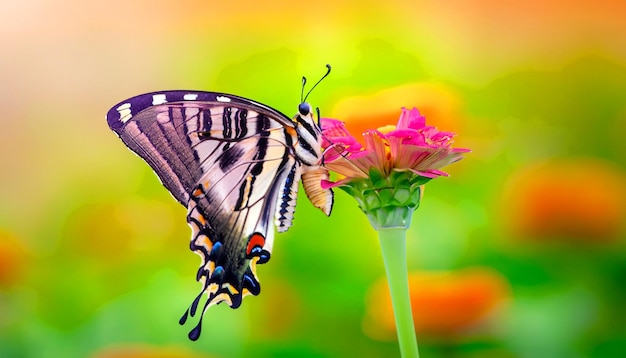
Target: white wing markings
<point x="124" y="111"/>
<point x="158" y="99"/>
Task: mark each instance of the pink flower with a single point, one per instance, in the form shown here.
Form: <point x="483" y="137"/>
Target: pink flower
<point x="410" y="146"/>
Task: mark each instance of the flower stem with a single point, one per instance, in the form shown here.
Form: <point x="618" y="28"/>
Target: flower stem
<point x="393" y="246"/>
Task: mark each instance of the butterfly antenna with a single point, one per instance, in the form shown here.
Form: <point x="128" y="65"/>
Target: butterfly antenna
<point x="315" y="85"/>
<point x="302" y="92"/>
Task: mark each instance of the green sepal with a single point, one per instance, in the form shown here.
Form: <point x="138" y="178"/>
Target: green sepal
<point x="380" y="196"/>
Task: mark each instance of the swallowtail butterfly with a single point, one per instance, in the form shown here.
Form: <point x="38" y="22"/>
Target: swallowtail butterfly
<point x="236" y="165"/>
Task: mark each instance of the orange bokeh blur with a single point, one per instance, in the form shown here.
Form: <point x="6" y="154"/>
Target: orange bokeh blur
<point x="146" y="351"/>
<point x="444" y="303"/>
<point x="281" y="309"/>
<point x="579" y="199"/>
<point x="438" y="103"/>
<point x="13" y="257"/>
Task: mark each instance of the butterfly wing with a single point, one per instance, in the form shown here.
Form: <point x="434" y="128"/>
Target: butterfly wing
<point x="230" y="161"/>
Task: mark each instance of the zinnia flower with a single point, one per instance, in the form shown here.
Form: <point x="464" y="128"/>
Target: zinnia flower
<point x="409" y="146"/>
<point x="394" y="163"/>
<point x="386" y="177"/>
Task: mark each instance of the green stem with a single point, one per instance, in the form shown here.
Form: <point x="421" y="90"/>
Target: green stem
<point x="393" y="245"/>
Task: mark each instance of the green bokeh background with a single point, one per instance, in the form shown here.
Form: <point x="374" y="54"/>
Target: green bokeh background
<point x="103" y="259"/>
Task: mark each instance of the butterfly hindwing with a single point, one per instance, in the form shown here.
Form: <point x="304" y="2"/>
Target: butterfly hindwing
<point x="238" y="203"/>
<point x="233" y="240"/>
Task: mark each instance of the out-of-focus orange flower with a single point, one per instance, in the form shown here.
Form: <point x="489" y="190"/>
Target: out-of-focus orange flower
<point x="146" y="351"/>
<point x="444" y="304"/>
<point x="582" y="200"/>
<point x="436" y="102"/>
<point x="13" y="257"/>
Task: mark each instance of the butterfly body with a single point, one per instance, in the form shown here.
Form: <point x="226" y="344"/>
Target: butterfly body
<point x="236" y="165"/>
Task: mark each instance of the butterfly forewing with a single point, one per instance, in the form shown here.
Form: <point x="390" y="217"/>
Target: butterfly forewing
<point x="163" y="128"/>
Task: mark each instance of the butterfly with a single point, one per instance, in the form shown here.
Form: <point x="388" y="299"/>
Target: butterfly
<point x="235" y="164"/>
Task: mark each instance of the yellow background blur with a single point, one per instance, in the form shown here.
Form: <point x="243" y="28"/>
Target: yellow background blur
<point x="94" y="257"/>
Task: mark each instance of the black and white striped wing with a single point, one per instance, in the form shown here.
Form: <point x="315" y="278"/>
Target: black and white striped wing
<point x="231" y="162"/>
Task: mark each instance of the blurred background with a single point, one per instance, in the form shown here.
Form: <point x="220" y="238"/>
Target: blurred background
<point x="520" y="253"/>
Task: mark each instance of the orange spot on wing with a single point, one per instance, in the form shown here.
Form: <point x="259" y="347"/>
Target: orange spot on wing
<point x="255" y="240"/>
<point x="206" y="242"/>
<point x="210" y="266"/>
<point x="202" y="220"/>
<point x="291" y="131"/>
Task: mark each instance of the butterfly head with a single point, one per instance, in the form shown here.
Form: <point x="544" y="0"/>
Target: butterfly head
<point x="305" y="117"/>
<point x="304" y="109"/>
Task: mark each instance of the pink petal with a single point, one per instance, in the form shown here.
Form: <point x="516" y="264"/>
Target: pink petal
<point x="378" y="146"/>
<point x="334" y="128"/>
<point x="329" y="124"/>
<point x="431" y="173"/>
<point x="442" y="136"/>
<point x="327" y="184"/>
<point x="411" y="119"/>
<point x="408" y="136"/>
<point x="349" y="144"/>
<point x="335" y="133"/>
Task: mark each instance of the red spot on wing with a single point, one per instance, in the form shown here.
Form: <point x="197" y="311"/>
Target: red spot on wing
<point x="256" y="239"/>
